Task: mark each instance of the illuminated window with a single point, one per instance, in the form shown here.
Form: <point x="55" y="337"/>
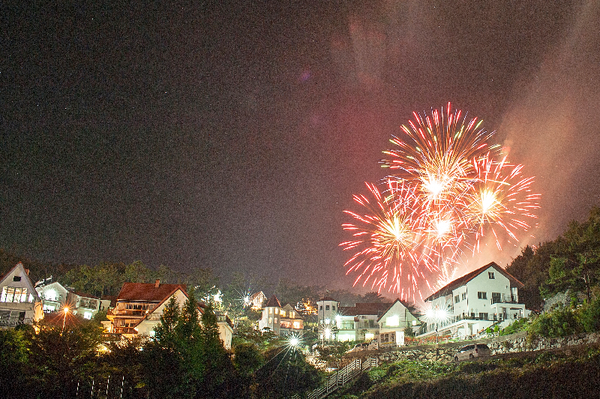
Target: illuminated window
<point x="393" y="321"/>
<point x="369" y="336"/>
<point x="276" y="310"/>
<point x="51" y="295"/>
<point x="14" y="294"/>
<point x="297" y="325"/>
<point x="87" y="315"/>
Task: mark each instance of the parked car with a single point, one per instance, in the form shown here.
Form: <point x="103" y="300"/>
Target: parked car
<point x="472" y="351"/>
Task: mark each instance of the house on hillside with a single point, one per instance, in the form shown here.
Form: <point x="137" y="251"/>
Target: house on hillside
<point x="55" y="296"/>
<point x="139" y="307"/>
<point x="360" y="322"/>
<point x="19" y="301"/>
<point x="257" y="300"/>
<point x="281" y="320"/>
<point x="385" y="322"/>
<point x="475" y="301"/>
<point x="395" y="322"/>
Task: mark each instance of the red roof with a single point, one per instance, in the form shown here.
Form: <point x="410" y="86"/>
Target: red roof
<point x="273" y="303"/>
<point x="447" y="289"/>
<point x="147" y="292"/>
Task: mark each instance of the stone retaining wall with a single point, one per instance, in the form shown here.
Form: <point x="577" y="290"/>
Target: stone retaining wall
<point x="498" y="345"/>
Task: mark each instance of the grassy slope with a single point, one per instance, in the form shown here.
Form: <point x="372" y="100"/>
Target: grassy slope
<point x="533" y="375"/>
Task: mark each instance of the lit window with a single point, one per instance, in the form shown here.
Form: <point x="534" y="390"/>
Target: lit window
<point x="51" y="295"/>
<point x="297" y="325"/>
<point x="87" y="315"/>
<point x="393" y="321"/>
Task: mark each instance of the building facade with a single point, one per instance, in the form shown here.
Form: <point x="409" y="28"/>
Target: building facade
<point x="474" y="302"/>
<point x="19" y="301"/>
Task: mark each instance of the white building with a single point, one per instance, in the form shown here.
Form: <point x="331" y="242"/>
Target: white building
<point x="19" y="302"/>
<point x="473" y="302"/>
<point x="280" y="319"/>
<point x="395" y="322"/>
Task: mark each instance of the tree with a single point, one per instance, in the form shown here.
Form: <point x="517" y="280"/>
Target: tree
<point x="15" y="365"/>
<point x="285" y="373"/>
<point x="62" y="358"/>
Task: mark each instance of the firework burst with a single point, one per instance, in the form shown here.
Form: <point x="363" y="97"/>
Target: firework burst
<point x="449" y="186"/>
<point x="389" y="239"/>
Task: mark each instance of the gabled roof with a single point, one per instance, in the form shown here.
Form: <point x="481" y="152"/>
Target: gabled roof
<point x="147" y="292"/>
<point x="20" y="270"/>
<point x="273" y="302"/>
<point x="257" y="294"/>
<point x="447" y="289"/>
<point x="365" y="309"/>
<point x="405" y="304"/>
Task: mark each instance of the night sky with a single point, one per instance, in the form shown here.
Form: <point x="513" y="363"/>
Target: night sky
<point x="232" y="135"/>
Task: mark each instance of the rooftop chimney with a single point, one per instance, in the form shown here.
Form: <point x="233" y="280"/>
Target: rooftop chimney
<point x="157" y="283"/>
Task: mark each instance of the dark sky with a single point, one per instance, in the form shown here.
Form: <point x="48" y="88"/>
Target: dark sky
<point x="232" y="135"/>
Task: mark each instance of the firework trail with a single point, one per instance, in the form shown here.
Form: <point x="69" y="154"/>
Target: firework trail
<point x="449" y="187"/>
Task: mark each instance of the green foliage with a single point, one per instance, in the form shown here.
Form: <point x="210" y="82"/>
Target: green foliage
<point x="561" y="322"/>
<point x="14" y="362"/>
<point x="589" y="316"/>
<point x="60" y="358"/>
<point x="285" y="373"/>
<point x="186" y="358"/>
<point x="516" y="326"/>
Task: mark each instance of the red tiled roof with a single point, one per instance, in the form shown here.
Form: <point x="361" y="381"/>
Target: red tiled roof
<point x="147" y="292"/>
<point x="371" y="308"/>
<point x="447" y="289"/>
<point x="273" y="302"/>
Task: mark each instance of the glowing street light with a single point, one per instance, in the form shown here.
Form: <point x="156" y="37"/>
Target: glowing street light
<point x="66" y="311"/>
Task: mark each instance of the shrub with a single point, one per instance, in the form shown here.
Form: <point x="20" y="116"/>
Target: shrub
<point x="589" y="316"/>
<point x="559" y="323"/>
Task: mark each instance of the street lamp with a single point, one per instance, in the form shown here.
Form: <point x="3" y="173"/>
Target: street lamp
<point x="65" y="310"/>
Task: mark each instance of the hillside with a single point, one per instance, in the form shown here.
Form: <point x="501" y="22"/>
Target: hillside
<point x="572" y="373"/>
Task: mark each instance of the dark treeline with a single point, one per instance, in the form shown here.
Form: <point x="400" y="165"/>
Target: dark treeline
<point x="570" y="263"/>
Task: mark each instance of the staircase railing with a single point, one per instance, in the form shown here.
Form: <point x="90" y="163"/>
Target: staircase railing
<point x="341" y="378"/>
